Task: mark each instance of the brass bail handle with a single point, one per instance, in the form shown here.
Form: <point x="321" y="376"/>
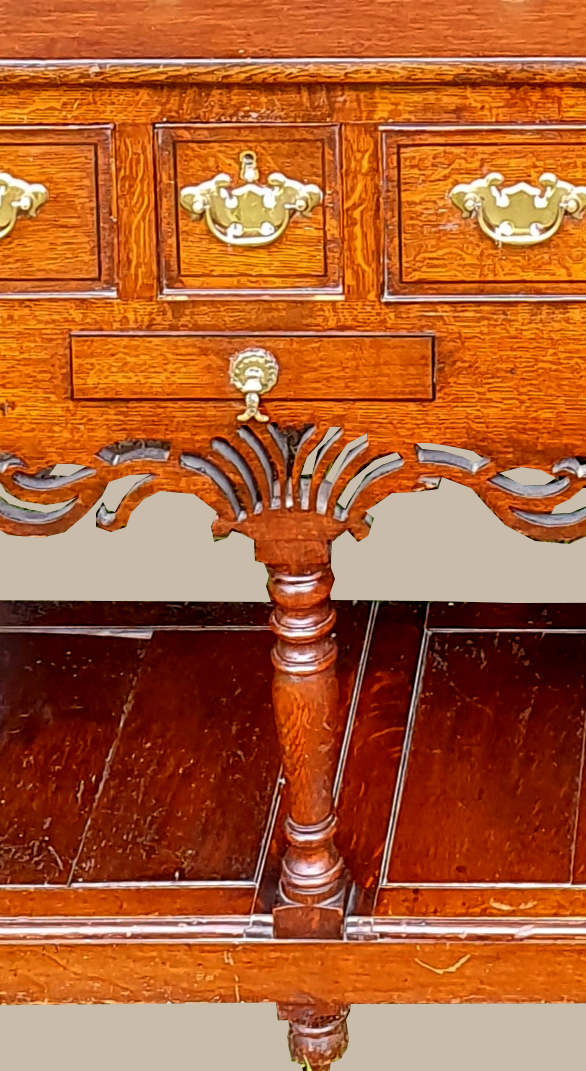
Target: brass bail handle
<point x="521" y="214"/>
<point x="253" y="372"/>
<point x="252" y="214"/>
<point x="18" y="198"/>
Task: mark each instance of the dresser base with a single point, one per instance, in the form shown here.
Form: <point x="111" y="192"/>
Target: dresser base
<point x="143" y="804"/>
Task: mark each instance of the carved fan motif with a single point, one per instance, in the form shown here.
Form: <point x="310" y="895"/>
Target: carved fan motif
<point x="282" y="483"/>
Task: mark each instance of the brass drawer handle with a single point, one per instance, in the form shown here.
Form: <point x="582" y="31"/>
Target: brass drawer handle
<point x="18" y="197"/>
<point x="252" y="214"/>
<point x="519" y="214"/>
<point x="254" y="372"/>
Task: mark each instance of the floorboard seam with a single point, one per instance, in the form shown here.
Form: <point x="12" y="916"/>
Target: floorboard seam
<point x="126" y="709"/>
<point x="406" y="750"/>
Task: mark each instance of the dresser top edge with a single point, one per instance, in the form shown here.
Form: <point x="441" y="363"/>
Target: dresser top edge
<point x="397" y="71"/>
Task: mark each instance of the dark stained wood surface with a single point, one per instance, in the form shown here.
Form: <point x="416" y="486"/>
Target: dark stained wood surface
<point x="166" y="772"/>
<point x="374" y="28"/>
<point x="495" y="764"/>
<point x="313" y="880"/>
<point x="49" y="614"/>
<point x="182" y="728"/>
<point x="62" y="708"/>
<point x="376" y="744"/>
<point x="515" y="615"/>
<point x="175" y="735"/>
<point x="189" y="790"/>
<point x="579" y="859"/>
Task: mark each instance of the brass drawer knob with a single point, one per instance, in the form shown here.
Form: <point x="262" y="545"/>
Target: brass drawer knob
<point x="254" y="372"/>
<point x="251" y="214"/>
<point x="18" y="198"/>
<point x="519" y="214"/>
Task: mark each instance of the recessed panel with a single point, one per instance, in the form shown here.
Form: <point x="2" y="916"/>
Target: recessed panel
<point x="56" y="229"/>
<point x="245" y="208"/>
<point x="484" y="211"/>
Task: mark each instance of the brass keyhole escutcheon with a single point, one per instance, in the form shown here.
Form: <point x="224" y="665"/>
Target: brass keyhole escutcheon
<point x="253" y="372"/>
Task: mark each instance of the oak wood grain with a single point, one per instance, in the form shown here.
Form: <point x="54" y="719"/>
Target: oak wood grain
<point x="218" y="95"/>
<point x="308" y="254"/>
<point x="439" y="245"/>
<point x="421" y="970"/>
<point x="147" y="29"/>
<point x="183" y="366"/>
<point x="184" y="91"/>
<point x="420" y="71"/>
<point x="422" y="164"/>
<point x="124" y="900"/>
<point x="501" y="388"/>
<point x="69" y="245"/>
<point x="483" y="901"/>
<point x="135" y="211"/>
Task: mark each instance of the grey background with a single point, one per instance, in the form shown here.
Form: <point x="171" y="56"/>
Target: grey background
<point x="230" y="1037"/>
<point x="442" y="545"/>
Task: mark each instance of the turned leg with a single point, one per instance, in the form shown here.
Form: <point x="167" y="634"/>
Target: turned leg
<point x="293" y="518"/>
<point x="313" y="880"/>
<point x="305" y="695"/>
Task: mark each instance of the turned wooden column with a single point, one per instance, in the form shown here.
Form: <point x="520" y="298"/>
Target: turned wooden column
<point x="305" y="695"/>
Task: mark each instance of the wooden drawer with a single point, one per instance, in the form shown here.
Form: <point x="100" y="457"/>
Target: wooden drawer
<point x="462" y="242"/>
<point x="196" y="366"/>
<point x="195" y="259"/>
<point x="67" y="244"/>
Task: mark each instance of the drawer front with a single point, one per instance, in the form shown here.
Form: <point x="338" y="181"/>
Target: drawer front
<point x="197" y="366"/>
<point x="56" y="231"/>
<point x="494" y="212"/>
<point x="227" y="216"/>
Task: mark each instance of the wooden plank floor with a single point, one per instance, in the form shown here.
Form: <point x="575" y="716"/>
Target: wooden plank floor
<point x="138" y="747"/>
<point x="139" y="762"/>
<point x="485" y="814"/>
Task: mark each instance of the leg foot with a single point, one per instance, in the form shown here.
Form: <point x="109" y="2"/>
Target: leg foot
<point x="317" y="1037"/>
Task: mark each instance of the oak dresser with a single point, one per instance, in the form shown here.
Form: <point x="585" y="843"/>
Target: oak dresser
<point x="292" y="258"/>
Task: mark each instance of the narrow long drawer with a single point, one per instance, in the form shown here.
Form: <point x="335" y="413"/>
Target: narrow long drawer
<point x="130" y="366"/>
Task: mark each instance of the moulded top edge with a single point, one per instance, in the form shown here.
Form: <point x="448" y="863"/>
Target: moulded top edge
<point x="433" y="71"/>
